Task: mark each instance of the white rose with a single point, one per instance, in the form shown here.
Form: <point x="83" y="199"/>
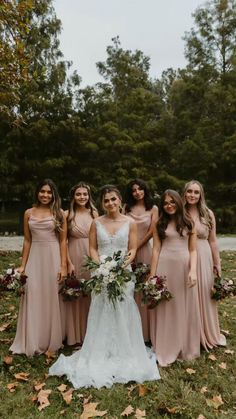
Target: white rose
<point x="103" y="258"/>
<point x="17" y="275"/>
<point x="230" y="282"/>
<point x="9" y="271"/>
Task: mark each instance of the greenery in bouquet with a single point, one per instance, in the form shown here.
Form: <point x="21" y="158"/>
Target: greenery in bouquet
<point x="141" y="271"/>
<point x="109" y="275"/>
<point x="72" y="288"/>
<point x="222" y="288"/>
<point x="12" y="280"/>
<point x="154" y="291"/>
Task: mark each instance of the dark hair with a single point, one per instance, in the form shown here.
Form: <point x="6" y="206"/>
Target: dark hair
<point x="129" y="199"/>
<point x="182" y="218"/>
<point x="107" y="189"/>
<point x="89" y="205"/>
<point x="55" y="204"/>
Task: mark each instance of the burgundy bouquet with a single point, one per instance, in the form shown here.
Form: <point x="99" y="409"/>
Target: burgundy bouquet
<point x="72" y="288"/>
<point x="222" y="288"/>
<point x="13" y="280"/>
<point x="155" y="291"/>
<point x="140" y="270"/>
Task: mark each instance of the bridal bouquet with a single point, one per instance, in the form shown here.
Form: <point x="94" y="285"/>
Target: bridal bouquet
<point x="222" y="288"/>
<point x="140" y="270"/>
<point x="13" y="280"/>
<point x="108" y="275"/>
<point x="155" y="291"/>
<point x="72" y="288"/>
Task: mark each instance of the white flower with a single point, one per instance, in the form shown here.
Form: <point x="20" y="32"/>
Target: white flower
<point x="9" y="271"/>
<point x="152" y="281"/>
<point x="102" y="271"/>
<point x="17" y="275"/>
<point x="230" y="282"/>
<point x="103" y="258"/>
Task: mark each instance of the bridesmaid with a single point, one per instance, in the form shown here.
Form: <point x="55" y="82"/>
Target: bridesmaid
<point x="175" y="324"/>
<point x="44" y="262"/>
<point x="79" y="218"/>
<point x="139" y="206"/>
<point x="208" y="262"/>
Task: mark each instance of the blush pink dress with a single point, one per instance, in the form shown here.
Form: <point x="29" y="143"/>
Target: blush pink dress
<point x="175" y="324"/>
<point x="210" y="330"/>
<point x="76" y="312"/>
<point x="144" y="255"/>
<point x="39" y="326"/>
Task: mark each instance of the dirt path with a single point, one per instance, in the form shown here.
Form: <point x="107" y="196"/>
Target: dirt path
<point x="15" y="243"/>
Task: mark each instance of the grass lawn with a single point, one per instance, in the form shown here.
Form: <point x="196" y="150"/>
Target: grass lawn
<point x="201" y="389"/>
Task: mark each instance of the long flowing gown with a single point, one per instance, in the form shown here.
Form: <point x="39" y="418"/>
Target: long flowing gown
<point x="75" y="313"/>
<point x="175" y="324"/>
<point x="113" y="350"/>
<point x="210" y="329"/>
<point x="39" y="327"/>
<point x="143" y="255"/>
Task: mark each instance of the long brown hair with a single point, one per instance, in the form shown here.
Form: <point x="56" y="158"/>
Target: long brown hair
<point x="72" y="208"/>
<point x="182" y="218"/>
<point x="203" y="210"/>
<point x="55" y="204"/>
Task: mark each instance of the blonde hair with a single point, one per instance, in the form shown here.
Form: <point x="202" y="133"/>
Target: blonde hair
<point x="203" y="210"/>
<point x="89" y="205"/>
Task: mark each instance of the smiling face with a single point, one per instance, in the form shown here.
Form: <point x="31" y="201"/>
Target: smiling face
<point x="137" y="192"/>
<point x="169" y="205"/>
<point x="193" y="194"/>
<point x="45" y="195"/>
<point x="111" y="203"/>
<point x="81" y="196"/>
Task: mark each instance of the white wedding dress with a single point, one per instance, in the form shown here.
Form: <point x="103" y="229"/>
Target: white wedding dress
<point x="113" y="350"/>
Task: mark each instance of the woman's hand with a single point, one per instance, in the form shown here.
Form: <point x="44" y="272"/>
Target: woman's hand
<point x="62" y="274"/>
<point x="70" y="268"/>
<point x="217" y="270"/>
<point x="21" y="269"/>
<point x="192" y="279"/>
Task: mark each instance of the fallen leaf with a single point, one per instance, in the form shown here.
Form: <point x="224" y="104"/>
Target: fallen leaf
<point x="223" y="365"/>
<point x="225" y="332"/>
<point x="203" y="390"/>
<point x="201" y="417"/>
<point x="90" y="411"/>
<point x="49" y="357"/>
<point x="212" y="357"/>
<point x="62" y="388"/>
<point x="22" y="376"/>
<point x="142" y="390"/>
<point x="190" y="371"/>
<point x="228" y="351"/>
<point x="5" y="341"/>
<point x="39" y="386"/>
<point x="67" y="395"/>
<point x="4" y="326"/>
<point x="172" y="409"/>
<point x="80" y="396"/>
<point x="140" y="414"/>
<point x="8" y="360"/>
<point x="12" y="308"/>
<point x="42" y="399"/>
<point x="12" y="386"/>
<point x="128" y="411"/>
<point x="87" y="400"/>
<point x="215" y="402"/>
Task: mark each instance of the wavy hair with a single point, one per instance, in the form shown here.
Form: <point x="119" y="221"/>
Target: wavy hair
<point x="108" y="189"/>
<point x="203" y="210"/>
<point x="55" y="204"/>
<point x="182" y="218"/>
<point x="130" y="201"/>
<point x="72" y="206"/>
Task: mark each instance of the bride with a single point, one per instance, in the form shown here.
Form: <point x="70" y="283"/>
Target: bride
<point x="113" y="350"/>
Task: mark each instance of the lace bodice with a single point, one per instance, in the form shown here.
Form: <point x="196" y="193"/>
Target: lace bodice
<point x="110" y="243"/>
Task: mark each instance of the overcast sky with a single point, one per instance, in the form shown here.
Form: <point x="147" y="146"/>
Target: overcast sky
<point x="156" y="27"/>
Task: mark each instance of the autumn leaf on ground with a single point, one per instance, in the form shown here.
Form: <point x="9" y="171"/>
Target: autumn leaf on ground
<point x="12" y="308"/>
<point x="142" y="390"/>
<point x="128" y="411"/>
<point x="22" y="376"/>
<point x="88" y="398"/>
<point x="172" y="410"/>
<point x="42" y="399"/>
<point x="201" y="417"/>
<point x="228" y="351"/>
<point x="6" y="341"/>
<point x="212" y="357"/>
<point x="49" y="356"/>
<point x="8" y="360"/>
<point x="12" y="386"/>
<point x="140" y="414"/>
<point x="90" y="411"/>
<point x="215" y="402"/>
<point x="39" y="386"/>
<point x="223" y="365"/>
<point x="4" y="326"/>
<point x="203" y="390"/>
<point x="67" y="395"/>
<point x="62" y="388"/>
<point x="225" y="332"/>
<point x="190" y="371"/>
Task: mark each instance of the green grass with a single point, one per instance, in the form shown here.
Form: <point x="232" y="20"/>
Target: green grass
<point x="178" y="395"/>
